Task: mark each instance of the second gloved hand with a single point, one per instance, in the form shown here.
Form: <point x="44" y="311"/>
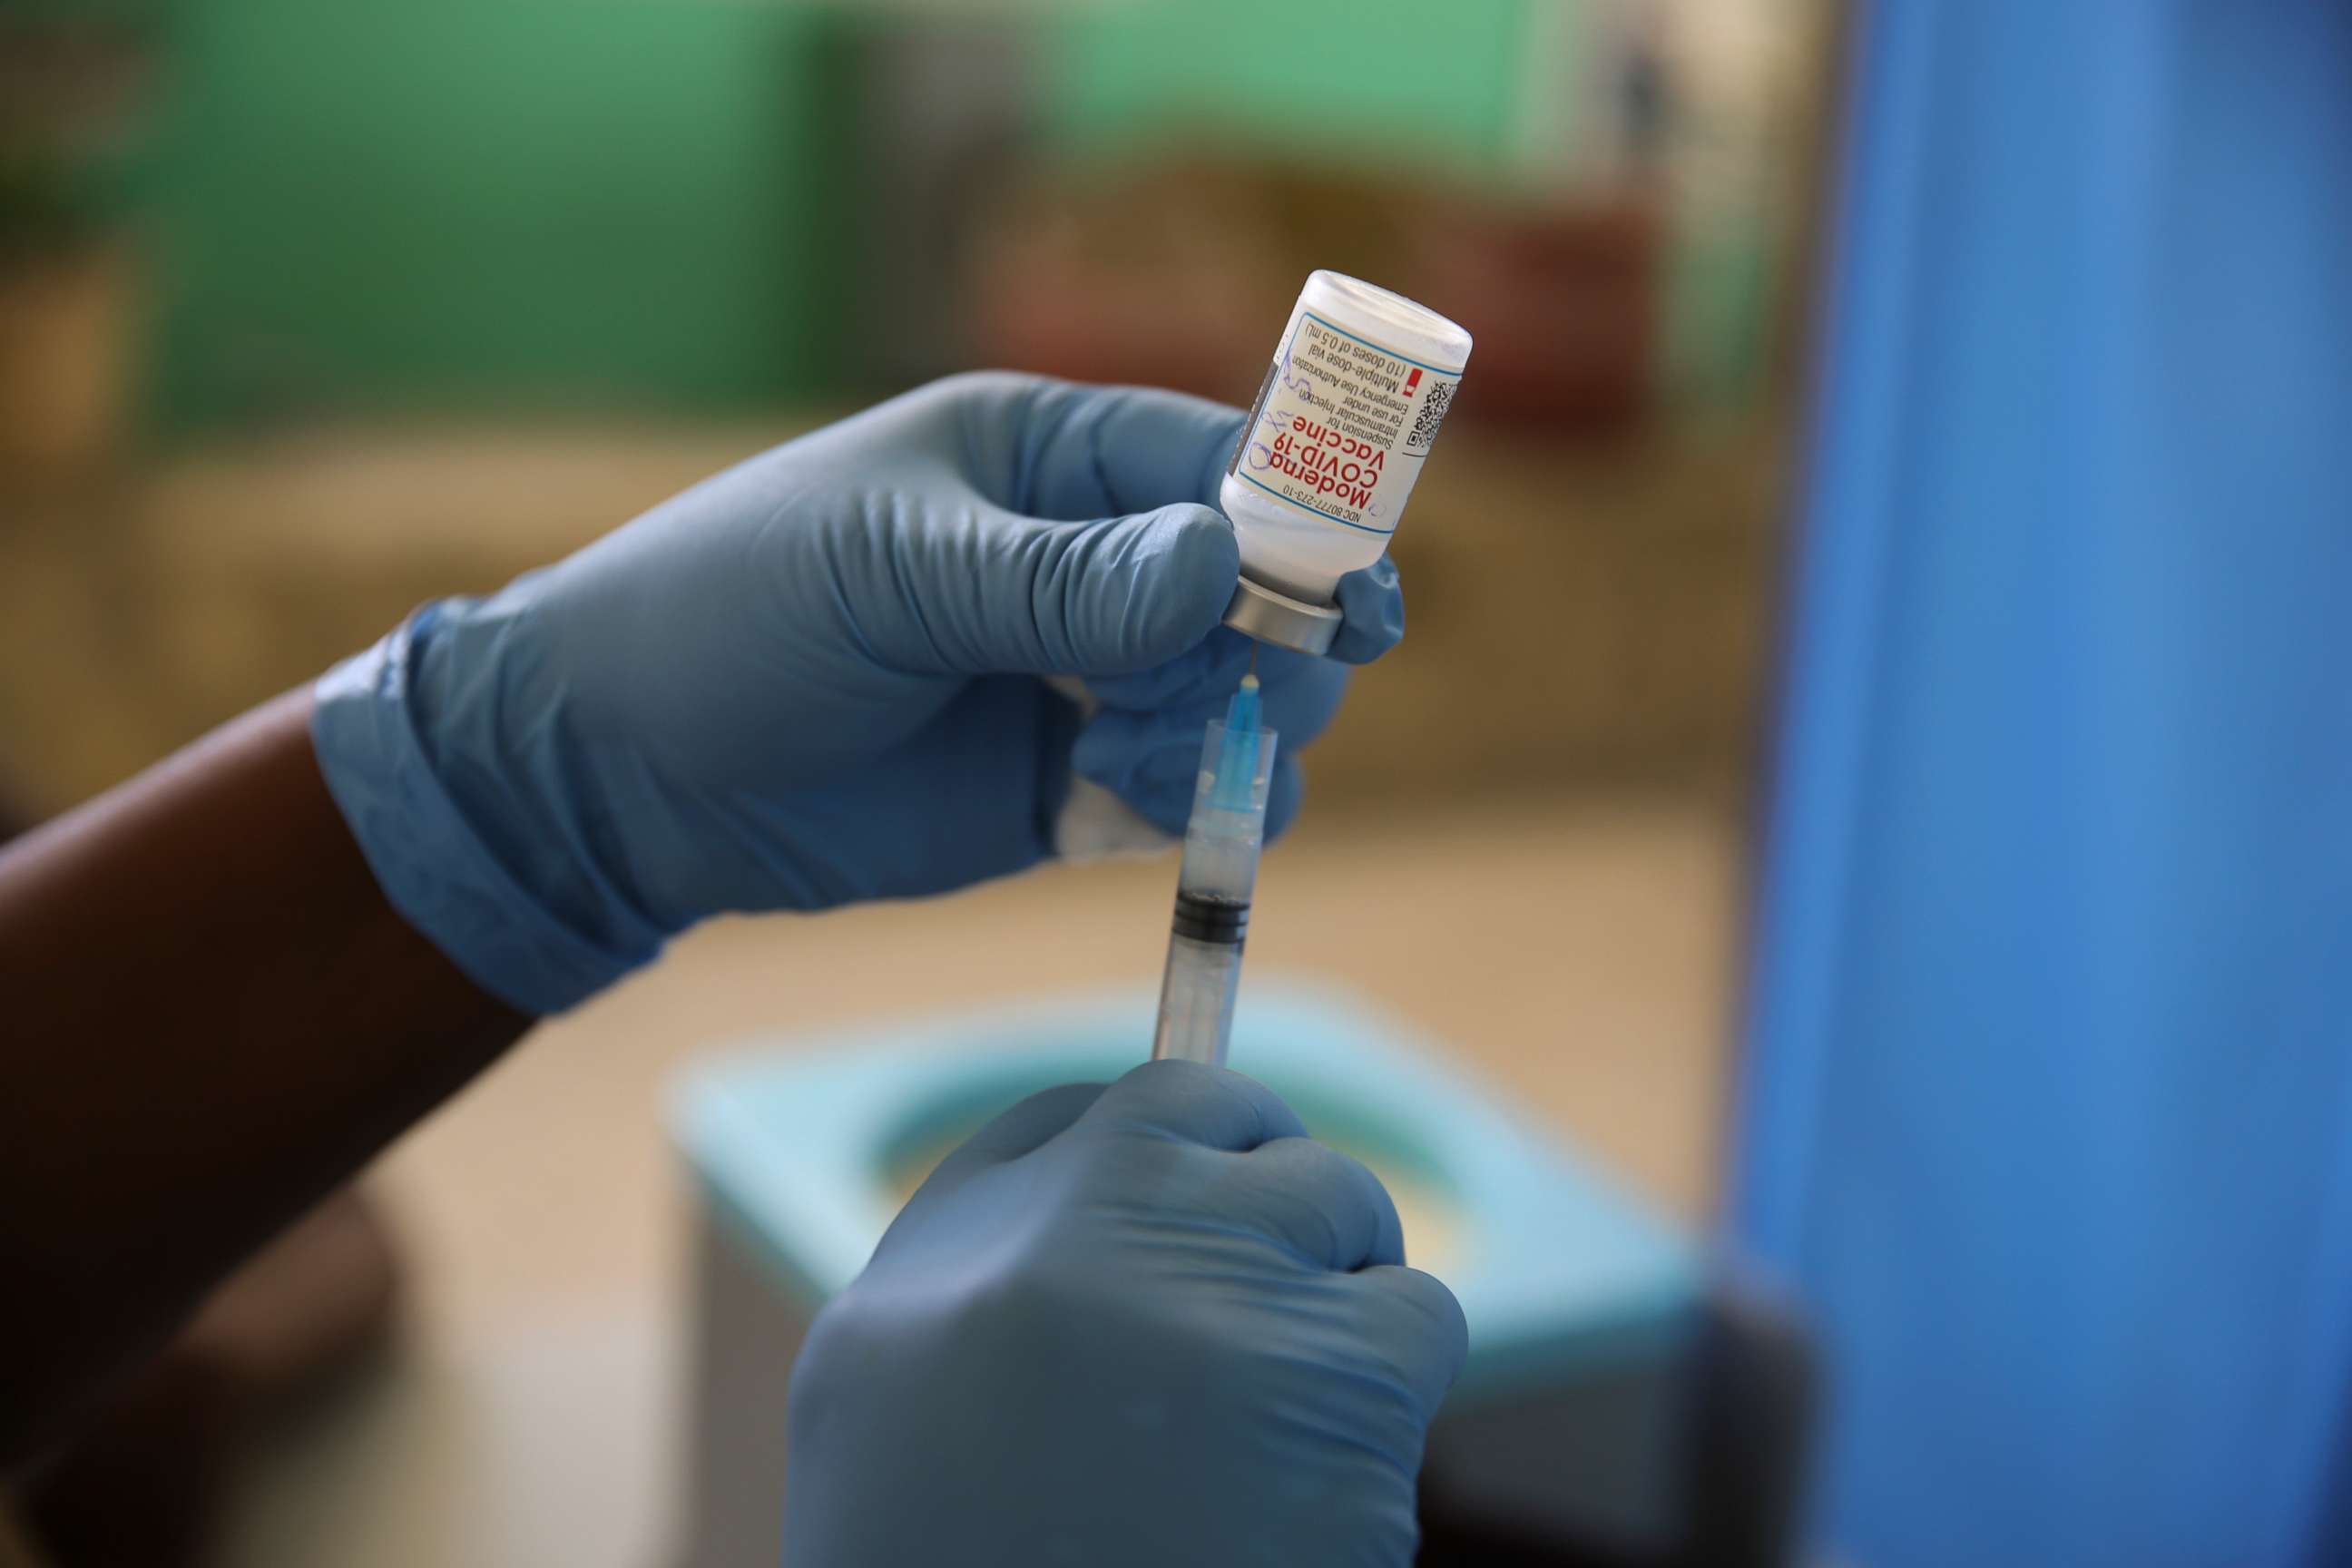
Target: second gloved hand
<point x="815" y="678"/>
<point x="1147" y="1324"/>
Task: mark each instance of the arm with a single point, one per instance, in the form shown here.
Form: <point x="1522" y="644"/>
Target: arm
<point x="212" y="1018"/>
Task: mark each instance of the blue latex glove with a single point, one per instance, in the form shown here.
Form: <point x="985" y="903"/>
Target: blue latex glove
<point x="814" y="679"/>
<point x="1149" y="1324"/>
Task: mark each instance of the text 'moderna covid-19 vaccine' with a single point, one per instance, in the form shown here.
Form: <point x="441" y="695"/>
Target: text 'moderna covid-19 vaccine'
<point x="1349" y="410"/>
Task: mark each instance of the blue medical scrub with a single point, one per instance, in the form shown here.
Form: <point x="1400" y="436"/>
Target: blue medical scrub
<point x="2048" y="1099"/>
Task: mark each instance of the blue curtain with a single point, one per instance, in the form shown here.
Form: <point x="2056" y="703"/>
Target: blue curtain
<point x="2047" y="1095"/>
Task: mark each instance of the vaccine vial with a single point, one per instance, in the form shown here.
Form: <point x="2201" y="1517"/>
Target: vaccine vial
<point x="1348" y="414"/>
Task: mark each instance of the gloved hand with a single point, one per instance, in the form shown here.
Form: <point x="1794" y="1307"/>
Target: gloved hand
<point x="814" y="679"/>
<point x="1153" y="1323"/>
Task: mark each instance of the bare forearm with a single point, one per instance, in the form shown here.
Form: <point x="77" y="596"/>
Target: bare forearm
<point x="212" y="1017"/>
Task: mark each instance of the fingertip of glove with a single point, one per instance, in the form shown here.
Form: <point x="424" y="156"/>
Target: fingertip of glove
<point x="1204" y="541"/>
<point x="1422" y="1308"/>
<point x="1371" y="609"/>
<point x="1212" y="1106"/>
<point x="1187" y="562"/>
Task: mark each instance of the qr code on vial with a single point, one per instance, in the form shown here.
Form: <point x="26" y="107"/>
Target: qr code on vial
<point x="1433" y="412"/>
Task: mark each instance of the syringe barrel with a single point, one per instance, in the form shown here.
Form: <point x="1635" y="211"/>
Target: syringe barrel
<point x="1213" y="890"/>
<point x="1196" y="1000"/>
<point x="1223" y="835"/>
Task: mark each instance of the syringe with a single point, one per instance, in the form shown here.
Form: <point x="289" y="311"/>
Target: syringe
<point x="1214" y="884"/>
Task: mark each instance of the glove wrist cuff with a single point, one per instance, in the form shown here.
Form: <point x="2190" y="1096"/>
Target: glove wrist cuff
<point x="434" y="867"/>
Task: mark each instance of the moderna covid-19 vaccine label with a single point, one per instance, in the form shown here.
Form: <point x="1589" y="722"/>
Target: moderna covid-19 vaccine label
<point x="1342" y="424"/>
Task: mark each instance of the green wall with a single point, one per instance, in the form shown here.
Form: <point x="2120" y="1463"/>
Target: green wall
<point x="435" y="204"/>
<point x="470" y="203"/>
<point x="1356" y="81"/>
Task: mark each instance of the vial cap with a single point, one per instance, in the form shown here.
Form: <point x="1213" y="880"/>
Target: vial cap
<point x="1260" y="612"/>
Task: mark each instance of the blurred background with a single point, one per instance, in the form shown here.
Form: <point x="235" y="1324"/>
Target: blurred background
<point x="308" y="313"/>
